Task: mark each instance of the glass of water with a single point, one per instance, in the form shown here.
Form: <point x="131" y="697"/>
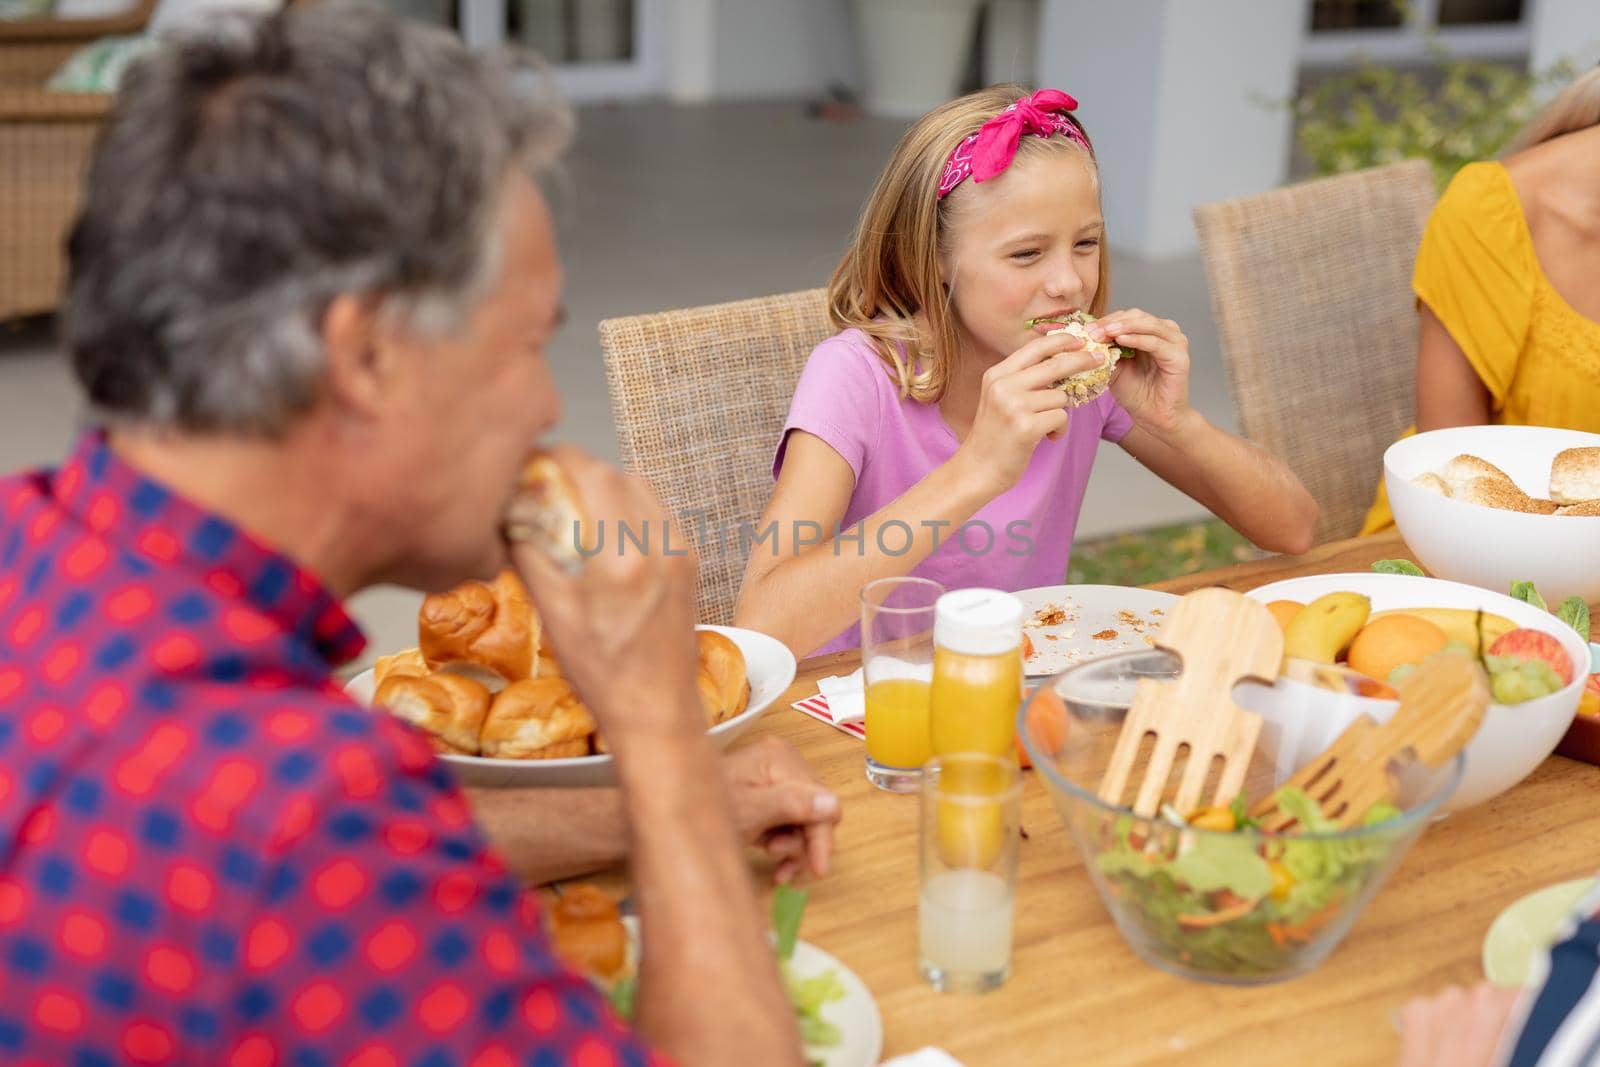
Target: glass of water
<point x="971" y="826"/>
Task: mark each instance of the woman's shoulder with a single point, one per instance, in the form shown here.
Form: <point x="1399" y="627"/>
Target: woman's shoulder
<point x="1481" y="195"/>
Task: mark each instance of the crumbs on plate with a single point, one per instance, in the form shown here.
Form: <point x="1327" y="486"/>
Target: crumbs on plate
<point x="1050" y="615"/>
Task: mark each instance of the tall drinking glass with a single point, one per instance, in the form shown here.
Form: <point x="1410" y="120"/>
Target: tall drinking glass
<point x="971" y="825"/>
<point x="897" y="669"/>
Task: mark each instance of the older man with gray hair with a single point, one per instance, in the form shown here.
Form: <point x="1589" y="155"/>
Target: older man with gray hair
<point x="310" y="292"/>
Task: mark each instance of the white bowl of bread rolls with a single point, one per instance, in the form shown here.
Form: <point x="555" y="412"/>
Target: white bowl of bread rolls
<point x="1490" y="505"/>
<point x="488" y="691"/>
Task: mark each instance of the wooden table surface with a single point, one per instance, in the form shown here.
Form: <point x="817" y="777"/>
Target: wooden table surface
<point x="1078" y="994"/>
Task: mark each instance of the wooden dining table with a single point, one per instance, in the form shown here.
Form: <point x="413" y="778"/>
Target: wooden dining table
<point x="1078" y="994"/>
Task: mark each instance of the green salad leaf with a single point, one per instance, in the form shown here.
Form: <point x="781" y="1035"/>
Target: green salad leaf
<point x="1223" y="861"/>
<point x="1398" y="566"/>
<point x="1575" y="613"/>
<point x="1525" y="592"/>
<point x="788" y="905"/>
<point x="808" y="995"/>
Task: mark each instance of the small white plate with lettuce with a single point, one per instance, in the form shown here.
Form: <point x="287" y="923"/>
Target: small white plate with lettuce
<point x="836" y="1013"/>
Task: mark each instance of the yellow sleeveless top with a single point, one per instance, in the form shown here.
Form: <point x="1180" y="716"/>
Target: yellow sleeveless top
<point x="1477" y="272"/>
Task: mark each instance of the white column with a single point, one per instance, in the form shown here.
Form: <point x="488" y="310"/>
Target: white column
<point x="1564" y="29"/>
<point x="691" y="48"/>
<point x="1176" y="96"/>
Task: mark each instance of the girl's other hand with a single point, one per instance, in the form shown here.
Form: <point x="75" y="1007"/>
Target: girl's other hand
<point x="1153" y="389"/>
<point x="1018" y="405"/>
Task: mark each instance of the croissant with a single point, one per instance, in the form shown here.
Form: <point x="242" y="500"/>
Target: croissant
<point x="409" y="662"/>
<point x="490" y="625"/>
<point x="723" y="683"/>
<point x="585" y="927"/>
<point x="537" y="718"/>
<point x="448" y="706"/>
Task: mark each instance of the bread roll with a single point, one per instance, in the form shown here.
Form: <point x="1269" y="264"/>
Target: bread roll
<point x="1431" y="482"/>
<point x="1465" y="469"/>
<point x="537" y="718"/>
<point x="723" y="683"/>
<point x="547" y="512"/>
<point x="491" y="625"/>
<point x="585" y="927"/>
<point x="409" y="662"/>
<point x="1494" y="493"/>
<point x="1575" y="476"/>
<point x="1586" y="507"/>
<point x="449" y="707"/>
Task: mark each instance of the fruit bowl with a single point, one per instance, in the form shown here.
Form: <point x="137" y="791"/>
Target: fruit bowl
<point x="1236" y="907"/>
<point x="1514" y="738"/>
<point x="1486" y="546"/>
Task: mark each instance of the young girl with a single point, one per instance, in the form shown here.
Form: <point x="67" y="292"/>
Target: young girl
<point x="928" y="437"/>
<point x="1508" y="284"/>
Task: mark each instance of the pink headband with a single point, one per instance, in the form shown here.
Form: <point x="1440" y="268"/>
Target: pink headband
<point x="990" y="151"/>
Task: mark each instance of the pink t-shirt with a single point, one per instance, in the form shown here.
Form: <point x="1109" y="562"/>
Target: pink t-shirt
<point x="1019" y="540"/>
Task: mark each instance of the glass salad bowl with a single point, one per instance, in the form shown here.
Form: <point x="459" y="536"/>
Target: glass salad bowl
<point x="1200" y="894"/>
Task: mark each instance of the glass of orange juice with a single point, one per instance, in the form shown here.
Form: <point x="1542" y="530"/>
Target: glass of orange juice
<point x="897" y="666"/>
<point x="977" y="673"/>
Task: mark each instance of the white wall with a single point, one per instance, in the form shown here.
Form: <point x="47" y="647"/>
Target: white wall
<point x="1171" y="92"/>
<point x="749" y="49"/>
<point x="1564" y="29"/>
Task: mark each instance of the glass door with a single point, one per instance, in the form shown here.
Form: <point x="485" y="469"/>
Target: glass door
<point x="1403" y="31"/>
<point x="598" y="48"/>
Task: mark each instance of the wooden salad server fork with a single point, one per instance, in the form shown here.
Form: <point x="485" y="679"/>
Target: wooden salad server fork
<point x="1223" y="637"/>
<point x="1441" y="706"/>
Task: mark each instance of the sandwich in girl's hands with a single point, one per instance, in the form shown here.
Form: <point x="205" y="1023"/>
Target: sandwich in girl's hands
<point x="1085" y="385"/>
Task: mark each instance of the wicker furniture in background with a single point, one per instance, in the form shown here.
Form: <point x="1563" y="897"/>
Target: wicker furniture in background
<point x="699" y="396"/>
<point x="1311" y="286"/>
<point x="45" y="141"/>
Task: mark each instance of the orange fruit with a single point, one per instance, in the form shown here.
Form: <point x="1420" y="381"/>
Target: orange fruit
<point x="1284" y="610"/>
<point x="1589" y="702"/>
<point x="1393" y="640"/>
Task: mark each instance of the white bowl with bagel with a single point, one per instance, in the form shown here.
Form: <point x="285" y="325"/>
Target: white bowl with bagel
<point x="1490" y="505"/>
<point x="1303" y="719"/>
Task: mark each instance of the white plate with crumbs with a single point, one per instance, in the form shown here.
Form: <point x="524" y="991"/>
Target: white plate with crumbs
<point x="1071" y="624"/>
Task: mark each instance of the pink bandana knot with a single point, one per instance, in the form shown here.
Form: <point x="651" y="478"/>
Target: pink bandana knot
<point x="990" y="151"/>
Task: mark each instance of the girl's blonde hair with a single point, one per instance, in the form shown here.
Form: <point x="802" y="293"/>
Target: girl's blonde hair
<point x="1577" y="107"/>
<point x="890" y="272"/>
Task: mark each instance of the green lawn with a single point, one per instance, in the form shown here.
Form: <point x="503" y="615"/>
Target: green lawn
<point x="1139" y="556"/>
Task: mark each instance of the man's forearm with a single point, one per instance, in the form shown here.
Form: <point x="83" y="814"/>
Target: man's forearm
<point x="550" y="834"/>
<point x="701" y="924"/>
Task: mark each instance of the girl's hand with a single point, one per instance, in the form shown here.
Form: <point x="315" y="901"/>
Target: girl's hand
<point x="1019" y="406"/>
<point x="1153" y="389"/>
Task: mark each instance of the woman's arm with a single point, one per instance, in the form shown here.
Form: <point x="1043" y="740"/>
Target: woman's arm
<point x="1252" y="491"/>
<point x="1449" y="391"/>
<point x="801" y="582"/>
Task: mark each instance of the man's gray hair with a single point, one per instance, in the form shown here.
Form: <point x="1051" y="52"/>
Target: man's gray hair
<point x="256" y="171"/>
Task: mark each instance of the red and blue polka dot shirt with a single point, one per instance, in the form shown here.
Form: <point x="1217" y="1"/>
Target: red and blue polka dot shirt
<point x="208" y="854"/>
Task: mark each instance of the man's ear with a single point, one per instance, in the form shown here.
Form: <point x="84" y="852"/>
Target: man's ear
<point x="363" y="358"/>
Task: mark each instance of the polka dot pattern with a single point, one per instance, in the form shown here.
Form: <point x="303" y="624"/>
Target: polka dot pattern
<point x="215" y="861"/>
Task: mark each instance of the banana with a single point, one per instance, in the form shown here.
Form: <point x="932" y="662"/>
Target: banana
<point x="1325" y="627"/>
<point x="1460" y="624"/>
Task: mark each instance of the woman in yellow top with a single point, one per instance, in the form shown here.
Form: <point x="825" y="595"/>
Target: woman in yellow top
<point x="1508" y="284"/>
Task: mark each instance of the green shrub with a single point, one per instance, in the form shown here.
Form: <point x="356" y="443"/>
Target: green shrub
<point x="1456" y="112"/>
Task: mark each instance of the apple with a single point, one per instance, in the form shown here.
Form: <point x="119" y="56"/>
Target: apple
<point x="1526" y="644"/>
